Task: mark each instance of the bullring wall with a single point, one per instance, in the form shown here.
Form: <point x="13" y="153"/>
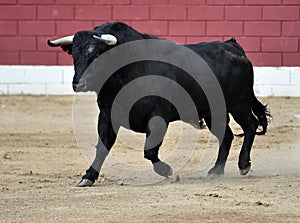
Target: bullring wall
<point x="269" y="30"/>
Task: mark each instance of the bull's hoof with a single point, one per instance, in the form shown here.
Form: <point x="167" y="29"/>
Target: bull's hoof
<point x="212" y="176"/>
<point x="85" y="183"/>
<point x="216" y="171"/>
<point x="244" y="171"/>
<point x="244" y="167"/>
<point x="89" y="178"/>
<point x="162" y="169"/>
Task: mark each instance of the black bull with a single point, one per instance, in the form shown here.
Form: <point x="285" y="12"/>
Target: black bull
<point x="227" y="61"/>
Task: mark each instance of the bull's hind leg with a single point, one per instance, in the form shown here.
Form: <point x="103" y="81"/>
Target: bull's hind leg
<point x="107" y="138"/>
<point x="249" y="125"/>
<point x="155" y="133"/>
<point x="224" y="147"/>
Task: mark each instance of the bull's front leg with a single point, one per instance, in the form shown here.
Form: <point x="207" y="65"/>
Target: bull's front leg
<point x="155" y="133"/>
<point x="107" y="138"/>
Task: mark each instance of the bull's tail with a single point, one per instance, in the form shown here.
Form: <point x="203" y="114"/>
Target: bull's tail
<point x="262" y="113"/>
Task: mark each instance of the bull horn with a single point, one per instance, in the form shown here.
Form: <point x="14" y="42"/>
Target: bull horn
<point x="107" y="38"/>
<point x="67" y="40"/>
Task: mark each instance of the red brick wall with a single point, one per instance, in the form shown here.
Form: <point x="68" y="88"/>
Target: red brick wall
<point x="269" y="30"/>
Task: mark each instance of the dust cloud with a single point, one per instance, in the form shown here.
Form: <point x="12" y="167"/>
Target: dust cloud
<point x="282" y="161"/>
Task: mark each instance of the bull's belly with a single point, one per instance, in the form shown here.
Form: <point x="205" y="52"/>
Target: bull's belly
<point x="151" y="107"/>
<point x="140" y="126"/>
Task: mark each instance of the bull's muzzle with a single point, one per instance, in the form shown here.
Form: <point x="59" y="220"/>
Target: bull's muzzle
<point x="81" y="86"/>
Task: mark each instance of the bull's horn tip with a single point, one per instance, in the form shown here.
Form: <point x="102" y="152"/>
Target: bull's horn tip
<point x="49" y="42"/>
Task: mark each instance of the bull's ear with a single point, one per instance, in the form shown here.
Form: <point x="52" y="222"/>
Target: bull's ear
<point x="67" y="48"/>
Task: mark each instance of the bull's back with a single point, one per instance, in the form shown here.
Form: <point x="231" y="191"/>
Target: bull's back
<point x="230" y="65"/>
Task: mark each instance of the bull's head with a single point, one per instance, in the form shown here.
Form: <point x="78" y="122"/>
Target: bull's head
<point x="85" y="47"/>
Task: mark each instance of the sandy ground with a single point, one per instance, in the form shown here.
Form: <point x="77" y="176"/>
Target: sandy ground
<point x="41" y="162"/>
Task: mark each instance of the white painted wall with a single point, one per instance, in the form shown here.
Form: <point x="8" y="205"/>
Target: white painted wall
<point x="56" y="80"/>
<point x="277" y="81"/>
<point x="36" y="80"/>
